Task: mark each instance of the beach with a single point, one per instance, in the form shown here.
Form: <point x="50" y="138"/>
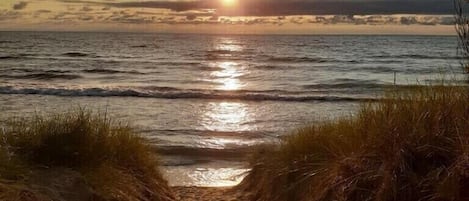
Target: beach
<point x="209" y="194"/>
<point x="234" y="100"/>
<point x="204" y="101"/>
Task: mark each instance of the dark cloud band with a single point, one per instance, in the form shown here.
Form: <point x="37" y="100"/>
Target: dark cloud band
<point x="305" y="7"/>
<point x="20" y="5"/>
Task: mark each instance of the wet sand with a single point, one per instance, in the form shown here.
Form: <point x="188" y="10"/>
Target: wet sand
<point x="209" y="194"/>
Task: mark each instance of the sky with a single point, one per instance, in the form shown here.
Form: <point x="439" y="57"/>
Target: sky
<point x="433" y="17"/>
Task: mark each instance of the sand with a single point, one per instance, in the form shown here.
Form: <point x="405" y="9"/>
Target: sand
<point x="208" y="194"/>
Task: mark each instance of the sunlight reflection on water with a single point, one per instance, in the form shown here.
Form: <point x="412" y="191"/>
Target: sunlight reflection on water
<point x="228" y="77"/>
<point x="229" y="44"/>
<point x="217" y="177"/>
<point x="227" y="116"/>
<point x="206" y="176"/>
<point x="220" y="117"/>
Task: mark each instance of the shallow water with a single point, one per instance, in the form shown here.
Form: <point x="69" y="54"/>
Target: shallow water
<point x="204" y="100"/>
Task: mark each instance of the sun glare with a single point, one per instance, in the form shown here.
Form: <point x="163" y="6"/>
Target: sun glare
<point x="229" y="3"/>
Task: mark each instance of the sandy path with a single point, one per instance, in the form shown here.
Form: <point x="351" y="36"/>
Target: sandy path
<point x="208" y="194"/>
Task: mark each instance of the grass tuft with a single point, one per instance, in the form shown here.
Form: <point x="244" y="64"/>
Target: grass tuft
<point x="412" y="145"/>
<point x="110" y="158"/>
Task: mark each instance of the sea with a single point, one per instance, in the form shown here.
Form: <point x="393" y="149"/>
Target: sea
<point x="205" y="101"/>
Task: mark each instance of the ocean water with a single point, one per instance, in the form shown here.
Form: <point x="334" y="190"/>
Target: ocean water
<point x="205" y="100"/>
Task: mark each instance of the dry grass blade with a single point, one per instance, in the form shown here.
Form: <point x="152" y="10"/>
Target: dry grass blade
<point x="411" y="146"/>
<point x="108" y="156"/>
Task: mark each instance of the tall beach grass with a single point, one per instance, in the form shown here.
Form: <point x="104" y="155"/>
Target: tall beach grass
<point x="111" y="160"/>
<point x="413" y="145"/>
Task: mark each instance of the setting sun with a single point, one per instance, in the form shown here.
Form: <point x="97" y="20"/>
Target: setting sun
<point x="229" y="3"/>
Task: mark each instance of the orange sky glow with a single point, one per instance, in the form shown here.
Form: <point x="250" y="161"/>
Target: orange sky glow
<point x="224" y="17"/>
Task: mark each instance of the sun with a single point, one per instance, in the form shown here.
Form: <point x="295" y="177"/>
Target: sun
<point x="229" y="3"/>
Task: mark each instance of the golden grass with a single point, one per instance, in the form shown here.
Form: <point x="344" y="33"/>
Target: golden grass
<point x="413" y="145"/>
<point x="113" y="160"/>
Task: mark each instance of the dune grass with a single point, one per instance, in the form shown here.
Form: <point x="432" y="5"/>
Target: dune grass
<point x="413" y="145"/>
<point x="114" y="162"/>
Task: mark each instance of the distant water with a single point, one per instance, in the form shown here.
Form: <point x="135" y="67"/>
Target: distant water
<point x="205" y="99"/>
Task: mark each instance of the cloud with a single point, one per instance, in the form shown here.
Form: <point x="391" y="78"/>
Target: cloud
<point x="298" y="7"/>
<point x="197" y="13"/>
<point x="8" y="15"/>
<point x="43" y="11"/>
<point x="38" y="13"/>
<point x="128" y="18"/>
<point x="20" y="5"/>
<point x="86" y="9"/>
<point x="209" y="17"/>
<point x="205" y="12"/>
<point x="86" y="18"/>
<point x="191" y="17"/>
<point x="384" y="19"/>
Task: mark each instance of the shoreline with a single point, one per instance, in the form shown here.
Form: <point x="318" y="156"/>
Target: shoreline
<point x="193" y="193"/>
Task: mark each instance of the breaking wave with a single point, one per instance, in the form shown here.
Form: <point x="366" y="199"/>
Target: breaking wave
<point x="75" y="54"/>
<point x="44" y="76"/>
<point x="174" y="93"/>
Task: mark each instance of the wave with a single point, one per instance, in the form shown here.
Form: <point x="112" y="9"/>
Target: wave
<point x="15" y="56"/>
<point x="215" y="55"/>
<point x="31" y="70"/>
<point x="211" y="57"/>
<point x="348" y="86"/>
<point x="57" y="71"/>
<point x="8" y="41"/>
<point x="45" y="56"/>
<point x="44" y="76"/>
<point x="76" y="54"/>
<point x="226" y="54"/>
<point x="296" y="59"/>
<point x="139" y="46"/>
<point x="174" y="93"/>
<point x="9" y="57"/>
<point x="346" y="83"/>
<point x="222" y="52"/>
<point x="416" y="56"/>
<point x="270" y="67"/>
<point x="209" y="68"/>
<point x="199" y="152"/>
<point x="109" y="71"/>
<point x="173" y="63"/>
<point x="207" y="133"/>
<point x="276" y="67"/>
